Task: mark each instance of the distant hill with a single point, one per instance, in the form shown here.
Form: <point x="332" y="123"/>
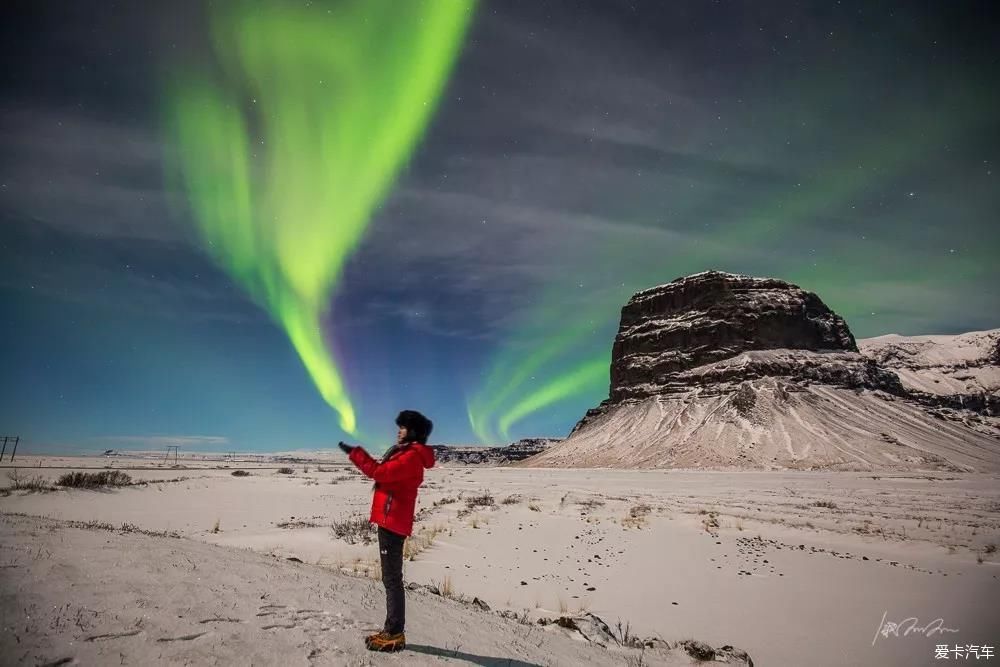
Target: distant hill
<point x="473" y="455"/>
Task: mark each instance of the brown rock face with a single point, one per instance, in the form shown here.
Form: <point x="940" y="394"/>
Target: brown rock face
<point x="708" y="317"/>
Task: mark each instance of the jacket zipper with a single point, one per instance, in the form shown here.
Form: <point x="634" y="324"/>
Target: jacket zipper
<point x="388" y="500"/>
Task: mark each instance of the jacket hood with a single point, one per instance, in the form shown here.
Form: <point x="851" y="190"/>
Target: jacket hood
<point x="425" y="452"/>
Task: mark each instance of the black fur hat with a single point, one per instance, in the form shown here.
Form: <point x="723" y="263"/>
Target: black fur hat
<point x="417" y="426"/>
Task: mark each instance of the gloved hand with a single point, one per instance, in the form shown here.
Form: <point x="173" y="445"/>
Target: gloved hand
<point x="346" y="448"/>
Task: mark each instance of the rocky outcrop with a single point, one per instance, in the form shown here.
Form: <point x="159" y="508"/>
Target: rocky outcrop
<point x="715" y="330"/>
<point x="517" y="451"/>
<point x="722" y="370"/>
<point x="708" y="317"/>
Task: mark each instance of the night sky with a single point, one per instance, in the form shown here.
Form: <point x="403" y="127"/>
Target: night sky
<point x="248" y="227"/>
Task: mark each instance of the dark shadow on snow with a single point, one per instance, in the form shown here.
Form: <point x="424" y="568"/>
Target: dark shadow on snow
<point x="484" y="660"/>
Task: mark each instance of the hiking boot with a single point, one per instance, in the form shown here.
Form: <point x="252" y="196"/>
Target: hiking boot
<point x="381" y="634"/>
<point x="385" y="642"/>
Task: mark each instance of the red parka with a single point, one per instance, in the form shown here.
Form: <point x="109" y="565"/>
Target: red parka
<point x="396" y="483"/>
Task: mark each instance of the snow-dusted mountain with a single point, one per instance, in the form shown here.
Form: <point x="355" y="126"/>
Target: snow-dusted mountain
<point x="968" y="363"/>
<point x="721" y="370"/>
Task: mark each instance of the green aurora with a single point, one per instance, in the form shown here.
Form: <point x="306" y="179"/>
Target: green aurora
<point x="287" y="149"/>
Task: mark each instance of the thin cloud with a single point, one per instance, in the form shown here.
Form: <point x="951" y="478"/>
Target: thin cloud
<point x="87" y="176"/>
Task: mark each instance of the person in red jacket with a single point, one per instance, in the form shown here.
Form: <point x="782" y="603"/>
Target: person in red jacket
<point x="397" y="477"/>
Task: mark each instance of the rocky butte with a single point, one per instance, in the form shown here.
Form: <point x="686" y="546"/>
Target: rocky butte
<point x="717" y="370"/>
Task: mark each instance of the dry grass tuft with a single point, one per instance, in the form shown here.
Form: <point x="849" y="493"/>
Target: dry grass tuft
<point x="637" y="660"/>
<point x="354" y="530"/>
<point x="298" y="524"/>
<point x="124" y="528"/>
<point x="482" y="500"/>
<point x="636" y="517"/>
<point x="422" y="539"/>
<point x="624" y="634"/>
<point x="94" y="480"/>
<point x="19" y="482"/>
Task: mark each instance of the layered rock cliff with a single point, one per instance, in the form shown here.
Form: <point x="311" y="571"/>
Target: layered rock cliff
<point x="708" y="317"/>
<point x="724" y="370"/>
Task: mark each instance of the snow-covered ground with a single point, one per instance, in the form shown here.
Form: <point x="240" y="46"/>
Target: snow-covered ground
<point x="793" y="567"/>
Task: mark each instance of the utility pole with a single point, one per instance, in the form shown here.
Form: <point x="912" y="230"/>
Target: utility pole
<point x="171" y="448"/>
<point x="13" y="439"/>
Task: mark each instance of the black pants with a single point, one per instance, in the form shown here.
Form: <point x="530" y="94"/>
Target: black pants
<point x="390" y="547"/>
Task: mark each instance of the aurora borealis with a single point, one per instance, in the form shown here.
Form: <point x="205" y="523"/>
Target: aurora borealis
<point x="270" y="226"/>
<point x="338" y="113"/>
